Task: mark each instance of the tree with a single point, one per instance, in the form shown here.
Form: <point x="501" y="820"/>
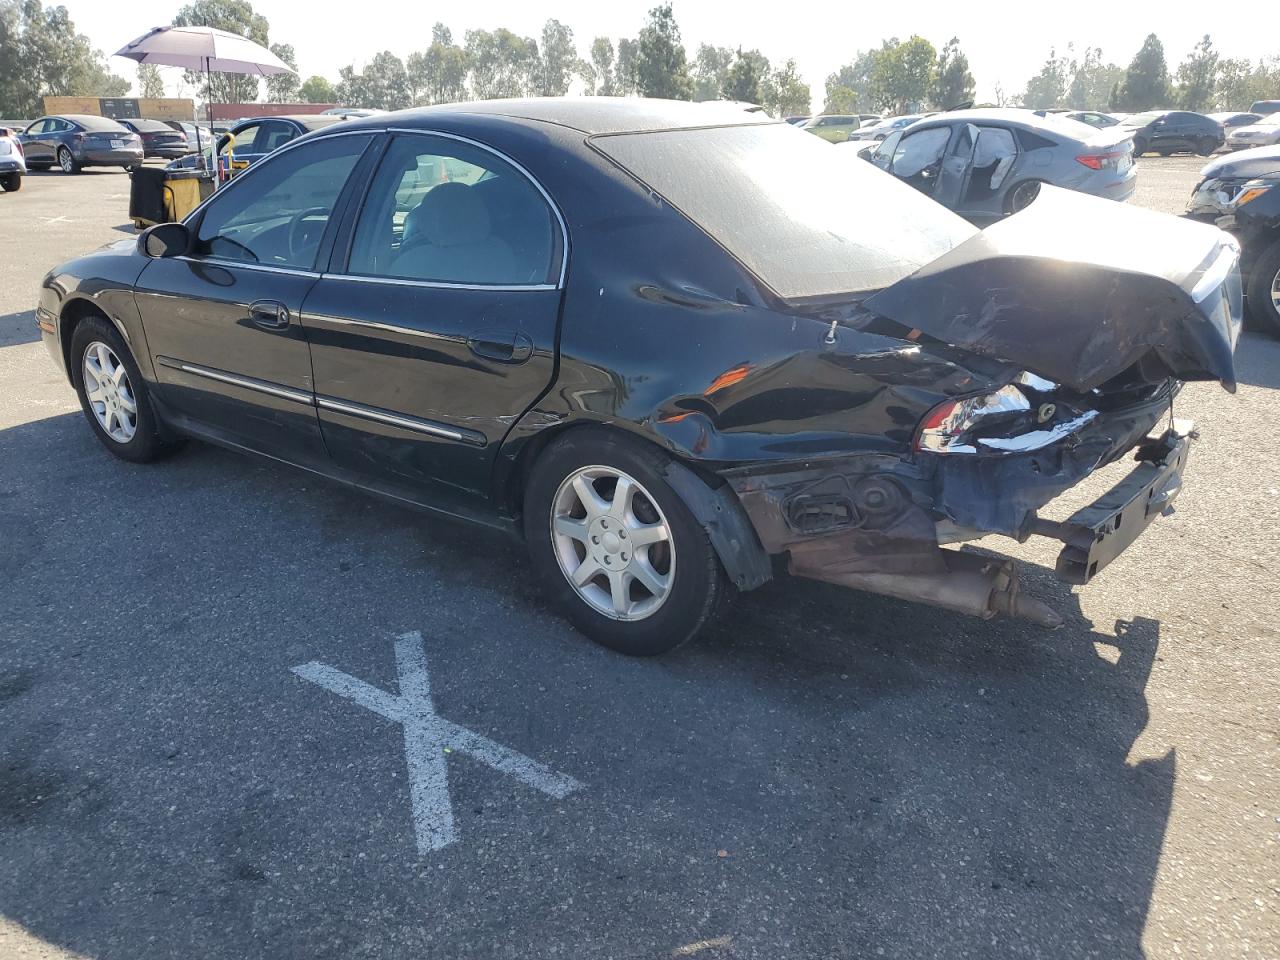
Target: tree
<point x="317" y="90"/>
<point x="1048" y="88"/>
<point x="710" y="71"/>
<point x="440" y="74"/>
<point x="599" y="70"/>
<point x="1240" y="83"/>
<point x="627" y="79"/>
<point x="150" y="84"/>
<point x="784" y="94"/>
<point x="1092" y="81"/>
<point x="42" y="54"/>
<point x="502" y="64"/>
<point x="559" y="60"/>
<point x="849" y="90"/>
<point x="745" y="77"/>
<point x="1198" y="76"/>
<point x="952" y="82"/>
<point x="382" y="85"/>
<point x="1146" y="82"/>
<point x="661" y="67"/>
<point x="901" y="74"/>
<point x="234" y="16"/>
<point x="283" y="87"/>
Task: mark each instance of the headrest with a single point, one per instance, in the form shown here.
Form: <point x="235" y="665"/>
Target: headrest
<point x="450" y="215"/>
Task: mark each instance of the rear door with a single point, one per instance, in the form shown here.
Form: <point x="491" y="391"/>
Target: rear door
<point x="436" y="328"/>
<point x="956" y="167"/>
<point x="223" y="322"/>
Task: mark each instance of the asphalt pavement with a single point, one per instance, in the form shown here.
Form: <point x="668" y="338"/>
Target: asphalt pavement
<point x="239" y="707"/>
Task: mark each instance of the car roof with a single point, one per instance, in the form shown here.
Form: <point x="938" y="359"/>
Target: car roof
<point x="589" y="115"/>
<point x="1013" y="117"/>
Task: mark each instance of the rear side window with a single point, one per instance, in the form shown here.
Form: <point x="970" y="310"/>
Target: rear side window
<point x="1033" y="141"/>
<point x="444" y="211"/>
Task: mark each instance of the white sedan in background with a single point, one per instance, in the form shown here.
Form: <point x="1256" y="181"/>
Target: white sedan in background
<point x="1263" y="133"/>
<point x="13" y="164"/>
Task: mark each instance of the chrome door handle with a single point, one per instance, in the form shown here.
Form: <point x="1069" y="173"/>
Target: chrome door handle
<point x="269" y="315"/>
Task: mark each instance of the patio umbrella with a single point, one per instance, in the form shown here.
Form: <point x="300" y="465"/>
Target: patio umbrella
<point x="207" y="49"/>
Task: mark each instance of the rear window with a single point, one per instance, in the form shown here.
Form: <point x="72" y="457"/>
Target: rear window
<point x="808" y="219"/>
<point x="152" y="126"/>
<point x="105" y="124"/>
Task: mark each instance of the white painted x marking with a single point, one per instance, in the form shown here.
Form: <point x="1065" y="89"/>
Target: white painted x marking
<point x="427" y="738"/>
<point x="51" y="220"/>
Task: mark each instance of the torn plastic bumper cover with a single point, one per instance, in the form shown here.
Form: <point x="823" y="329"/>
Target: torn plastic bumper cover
<point x="871" y="524"/>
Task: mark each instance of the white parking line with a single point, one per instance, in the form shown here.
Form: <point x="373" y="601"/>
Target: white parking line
<point x="427" y="739"/>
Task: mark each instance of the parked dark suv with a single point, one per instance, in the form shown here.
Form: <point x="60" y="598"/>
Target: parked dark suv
<point x="1173" y="131"/>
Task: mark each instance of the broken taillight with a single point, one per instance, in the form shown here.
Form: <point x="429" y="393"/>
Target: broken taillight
<point x="1000" y="422"/>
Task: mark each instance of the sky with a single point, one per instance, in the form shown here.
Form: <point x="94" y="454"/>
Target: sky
<point x="1006" y="43"/>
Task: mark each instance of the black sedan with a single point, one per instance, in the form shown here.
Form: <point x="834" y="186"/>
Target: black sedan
<point x="1173" y="131"/>
<point x="251" y="140"/>
<point x="627" y="332"/>
<point x="1241" y="193"/>
<point x="158" y="139"/>
<point x="76" y="141"/>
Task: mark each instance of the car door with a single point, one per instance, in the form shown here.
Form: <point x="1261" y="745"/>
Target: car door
<point x="222" y="321"/>
<point x="956" y="167"/>
<point x="994" y="170"/>
<point x="918" y="158"/>
<point x="35" y="144"/>
<point x="436" y="328"/>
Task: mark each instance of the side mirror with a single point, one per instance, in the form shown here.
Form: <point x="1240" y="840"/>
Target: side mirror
<point x="164" y="240"/>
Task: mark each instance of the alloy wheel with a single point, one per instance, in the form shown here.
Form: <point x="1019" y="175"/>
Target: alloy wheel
<point x="1275" y="291"/>
<point x="66" y="161"/>
<point x="110" y="394"/>
<point x="613" y="543"/>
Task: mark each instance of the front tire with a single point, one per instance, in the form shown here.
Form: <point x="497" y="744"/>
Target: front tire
<point x="1139" y="147"/>
<point x="113" y="395"/>
<point x="1263" y="292"/>
<point x="11" y="182"/>
<point x="615" y="546"/>
<point x="1206" y="146"/>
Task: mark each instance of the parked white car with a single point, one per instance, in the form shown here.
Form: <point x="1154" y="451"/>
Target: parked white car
<point x="13" y="164"/>
<point x="1264" y="133"/>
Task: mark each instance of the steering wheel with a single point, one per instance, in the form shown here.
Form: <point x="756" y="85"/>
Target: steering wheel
<point x="297" y="235"/>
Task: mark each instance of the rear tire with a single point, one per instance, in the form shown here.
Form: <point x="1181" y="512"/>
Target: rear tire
<point x="1263" y="291"/>
<point x="11" y="182"/>
<point x="1021" y="196"/>
<point x="575" y="525"/>
<point x="108" y="383"/>
<point x="1139" y="147"/>
<point x="67" y="162"/>
<point x="1206" y="146"/>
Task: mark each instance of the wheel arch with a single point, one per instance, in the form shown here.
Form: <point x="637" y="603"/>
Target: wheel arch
<point x="712" y="502"/>
<point x="73" y="311"/>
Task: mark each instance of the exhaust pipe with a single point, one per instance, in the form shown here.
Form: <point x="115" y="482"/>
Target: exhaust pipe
<point x="974" y="585"/>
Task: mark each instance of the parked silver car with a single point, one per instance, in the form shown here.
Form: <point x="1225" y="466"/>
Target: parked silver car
<point x="878" y="130"/>
<point x="1262" y="133"/>
<point x="12" y="162"/>
<point x="985" y="164"/>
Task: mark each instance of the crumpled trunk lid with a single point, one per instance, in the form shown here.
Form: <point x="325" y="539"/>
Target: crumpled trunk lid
<point x="1080" y="289"/>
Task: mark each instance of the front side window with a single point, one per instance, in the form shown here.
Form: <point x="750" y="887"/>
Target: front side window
<point x="242" y="140"/>
<point x="40" y="126"/>
<point x="276" y="215"/>
<point x="442" y="211"/>
<point x="920" y="151"/>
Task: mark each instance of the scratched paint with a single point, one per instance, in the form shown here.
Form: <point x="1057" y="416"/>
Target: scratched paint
<point x="427" y="737"/>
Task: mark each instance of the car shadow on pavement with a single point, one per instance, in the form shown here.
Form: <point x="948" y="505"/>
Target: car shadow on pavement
<point x="829" y="774"/>
<point x="1258" y="359"/>
<point x="20" y="327"/>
